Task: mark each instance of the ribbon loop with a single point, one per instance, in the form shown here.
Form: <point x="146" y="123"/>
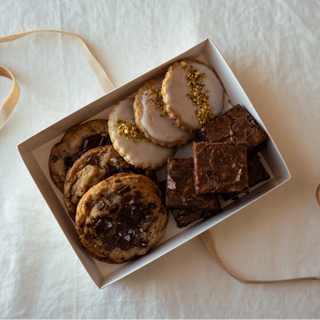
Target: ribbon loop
<point x="11" y="100"/>
<point x="209" y="242"/>
<point x="13" y="97"/>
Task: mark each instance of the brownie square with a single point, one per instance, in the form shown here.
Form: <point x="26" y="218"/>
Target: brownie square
<point x="185" y="216"/>
<point x="235" y="126"/>
<point x="220" y="167"/>
<point x="185" y="204"/>
<point x="256" y="174"/>
<point x="256" y="170"/>
<point x="180" y="190"/>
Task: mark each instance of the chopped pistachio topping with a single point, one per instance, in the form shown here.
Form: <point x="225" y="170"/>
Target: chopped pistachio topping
<point x="156" y="99"/>
<point x="183" y="64"/>
<point x="198" y="94"/>
<point x="129" y="130"/>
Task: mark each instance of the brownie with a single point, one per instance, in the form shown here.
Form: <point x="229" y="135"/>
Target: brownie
<point x="185" y="216"/>
<point x="185" y="204"/>
<point x="180" y="185"/>
<point x="256" y="171"/>
<point x="220" y="167"/>
<point x="235" y="126"/>
<point x="256" y="174"/>
<point x="162" y="186"/>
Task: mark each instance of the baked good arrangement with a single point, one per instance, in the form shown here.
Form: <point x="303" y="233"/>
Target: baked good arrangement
<point x="107" y="169"/>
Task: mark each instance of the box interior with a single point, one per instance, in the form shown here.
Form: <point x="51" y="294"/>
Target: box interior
<point x="35" y="153"/>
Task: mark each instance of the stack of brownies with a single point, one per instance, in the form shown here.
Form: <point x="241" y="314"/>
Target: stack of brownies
<point x="225" y="162"/>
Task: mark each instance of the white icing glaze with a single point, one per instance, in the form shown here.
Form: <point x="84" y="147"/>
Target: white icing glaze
<point x="177" y="89"/>
<point x="159" y="126"/>
<point x="227" y="104"/>
<point x="144" y="153"/>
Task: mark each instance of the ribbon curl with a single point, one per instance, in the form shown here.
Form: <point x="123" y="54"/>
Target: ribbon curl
<point x="13" y="97"/>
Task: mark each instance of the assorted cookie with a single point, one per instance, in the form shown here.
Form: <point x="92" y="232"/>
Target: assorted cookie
<point x="121" y="218"/>
<point x="193" y="94"/>
<point x="131" y="143"/>
<point x="152" y="119"/>
<point x="92" y="167"/>
<point x="105" y="167"/>
<point x="75" y="142"/>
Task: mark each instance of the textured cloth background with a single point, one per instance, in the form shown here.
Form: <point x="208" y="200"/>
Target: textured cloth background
<point x="273" y="49"/>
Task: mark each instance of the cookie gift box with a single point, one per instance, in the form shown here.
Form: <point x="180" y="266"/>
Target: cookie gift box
<point x="35" y="153"/>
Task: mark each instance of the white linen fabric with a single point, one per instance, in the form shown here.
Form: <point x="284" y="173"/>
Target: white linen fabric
<point x="272" y="48"/>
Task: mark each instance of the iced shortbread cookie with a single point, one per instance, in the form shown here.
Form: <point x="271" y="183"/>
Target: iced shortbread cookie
<point x="192" y="93"/>
<point x="152" y="119"/>
<point x="121" y="218"/>
<point x="227" y="104"/>
<point x="75" y="142"/>
<point x="130" y="142"/>
<point x="92" y="167"/>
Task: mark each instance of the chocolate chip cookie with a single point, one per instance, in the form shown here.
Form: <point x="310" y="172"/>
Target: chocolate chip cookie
<point x="75" y="142"/>
<point x="121" y="218"/>
<point x="95" y="165"/>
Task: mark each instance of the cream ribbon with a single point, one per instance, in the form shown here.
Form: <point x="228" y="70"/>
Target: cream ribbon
<point x="106" y="85"/>
<point x="11" y="100"/>
<point x="13" y="97"/>
<point x="209" y="242"/>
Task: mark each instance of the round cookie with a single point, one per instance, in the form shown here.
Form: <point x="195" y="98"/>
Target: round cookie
<point x="121" y="218"/>
<point x="192" y="93"/>
<point x="75" y="142"/>
<point x="95" y="165"/>
<point x="152" y="119"/>
<point x="130" y="142"/>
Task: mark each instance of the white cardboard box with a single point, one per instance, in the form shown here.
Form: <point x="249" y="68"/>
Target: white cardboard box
<point x="35" y="153"/>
